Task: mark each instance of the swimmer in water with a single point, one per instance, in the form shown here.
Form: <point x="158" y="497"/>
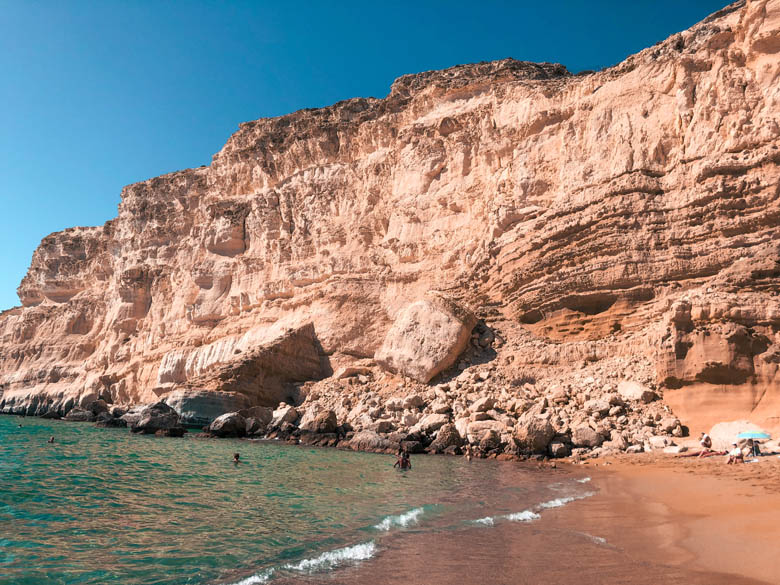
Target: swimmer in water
<point x="51" y="439"/>
<point x="403" y="461"/>
<point x="236" y="457"/>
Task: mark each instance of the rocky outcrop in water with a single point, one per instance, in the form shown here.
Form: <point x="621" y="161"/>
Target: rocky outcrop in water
<point x="574" y="231"/>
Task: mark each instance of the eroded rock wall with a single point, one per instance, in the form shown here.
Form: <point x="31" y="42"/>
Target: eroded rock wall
<point x="621" y="213"/>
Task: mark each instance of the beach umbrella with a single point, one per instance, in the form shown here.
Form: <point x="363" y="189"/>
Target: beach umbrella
<point x="754" y="435"/>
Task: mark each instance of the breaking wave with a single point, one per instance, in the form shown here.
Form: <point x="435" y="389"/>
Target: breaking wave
<point x="524" y="516"/>
<point x="533" y="513"/>
<point x="558" y="502"/>
<point x="334" y="558"/>
<point x="401" y="520"/>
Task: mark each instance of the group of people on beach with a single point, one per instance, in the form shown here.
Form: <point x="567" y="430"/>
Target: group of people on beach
<point x="735" y="455"/>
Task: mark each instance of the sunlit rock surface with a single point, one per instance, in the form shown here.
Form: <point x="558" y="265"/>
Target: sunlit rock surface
<point x="629" y="214"/>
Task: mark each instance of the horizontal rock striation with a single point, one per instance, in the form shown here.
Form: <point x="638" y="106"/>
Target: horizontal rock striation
<point x="629" y="216"/>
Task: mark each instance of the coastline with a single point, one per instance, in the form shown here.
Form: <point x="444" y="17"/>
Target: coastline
<point x="652" y="519"/>
<point x="638" y="519"/>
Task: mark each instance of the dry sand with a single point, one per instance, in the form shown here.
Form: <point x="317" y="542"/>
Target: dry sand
<point x="699" y="513"/>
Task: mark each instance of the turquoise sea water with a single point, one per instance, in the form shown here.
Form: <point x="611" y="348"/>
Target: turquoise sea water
<point x="102" y="506"/>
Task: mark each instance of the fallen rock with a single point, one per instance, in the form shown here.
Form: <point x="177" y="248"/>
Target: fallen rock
<point x="725" y="433"/>
<point x="490" y="440"/>
<point x="230" y="424"/>
<point x="447" y="436"/>
<point x="255" y="427"/>
<point x="533" y="434"/>
<point x="105" y="420"/>
<point x="596" y="405"/>
<point x="657" y="442"/>
<point x="201" y="407"/>
<point x="629" y="390"/>
<point x="413" y="402"/>
<point x="426" y="338"/>
<point x="265" y="414"/>
<point x="675" y="449"/>
<point x="154" y="418"/>
<point x="284" y="414"/>
<point x="171" y="432"/>
<point x="322" y="422"/>
<point x="483" y="404"/>
<point x="78" y="414"/>
<point x="584" y="436"/>
<point x="476" y="430"/>
<point x="558" y="449"/>
<point x="368" y="441"/>
<point x="97" y="406"/>
<point x="431" y="422"/>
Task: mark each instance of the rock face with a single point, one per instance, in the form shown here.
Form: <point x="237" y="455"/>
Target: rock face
<point x="608" y="226"/>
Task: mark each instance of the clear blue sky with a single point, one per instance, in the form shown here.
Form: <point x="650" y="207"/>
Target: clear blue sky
<point x="97" y="95"/>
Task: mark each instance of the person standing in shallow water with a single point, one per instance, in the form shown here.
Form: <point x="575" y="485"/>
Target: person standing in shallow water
<point x="403" y="461"/>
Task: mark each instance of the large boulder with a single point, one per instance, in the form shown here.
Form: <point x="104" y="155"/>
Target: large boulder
<point x="265" y="414"/>
<point x="78" y="414"/>
<point x="430" y="423"/>
<point x="105" y="420"/>
<point x="154" y="418"/>
<point x="426" y="338"/>
<point x="533" y="434"/>
<point x="448" y="436"/>
<point x="284" y="414"/>
<point x="230" y="424"/>
<point x="323" y="421"/>
<point x="725" y="433"/>
<point x="490" y="440"/>
<point x="201" y="407"/>
<point x="630" y="390"/>
<point x="97" y="406"/>
<point x="477" y="429"/>
<point x="369" y="441"/>
<point x="584" y="436"/>
<point x="255" y="427"/>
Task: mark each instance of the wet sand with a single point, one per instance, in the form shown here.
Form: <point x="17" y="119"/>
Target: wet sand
<point x="654" y="520"/>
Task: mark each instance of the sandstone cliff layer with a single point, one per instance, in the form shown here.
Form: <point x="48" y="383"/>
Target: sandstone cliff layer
<point x="628" y="217"/>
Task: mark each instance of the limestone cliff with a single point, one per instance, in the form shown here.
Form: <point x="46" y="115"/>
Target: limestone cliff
<point x="630" y="213"/>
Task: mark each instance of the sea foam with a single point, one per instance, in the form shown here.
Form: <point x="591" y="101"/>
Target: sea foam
<point x="558" y="502"/>
<point x="524" y="516"/>
<point x="334" y="558"/>
<point x="401" y="520"/>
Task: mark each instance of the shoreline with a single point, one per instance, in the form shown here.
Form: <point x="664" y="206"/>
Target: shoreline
<point x="674" y="520"/>
<point x="648" y="523"/>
